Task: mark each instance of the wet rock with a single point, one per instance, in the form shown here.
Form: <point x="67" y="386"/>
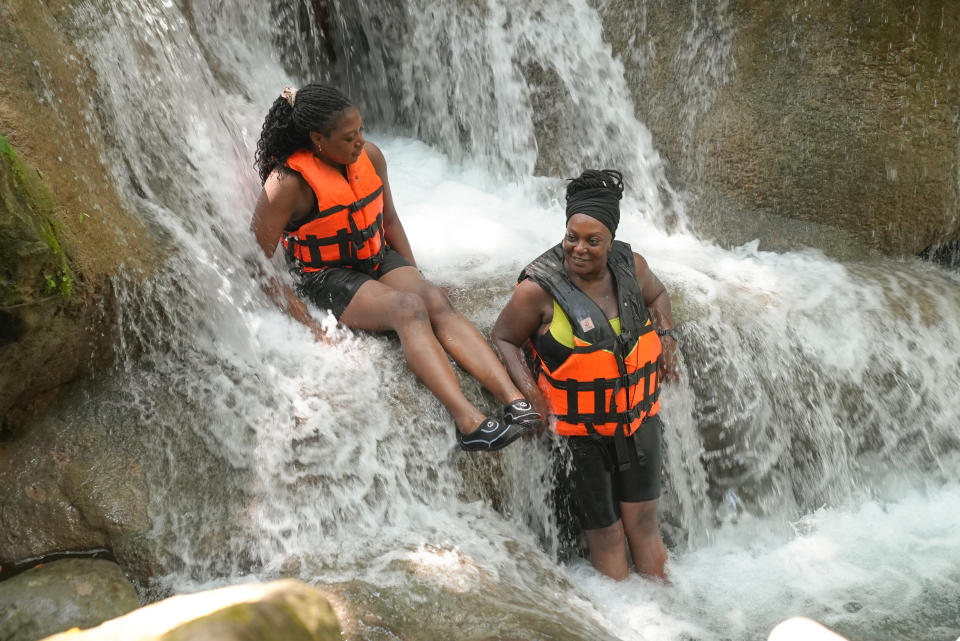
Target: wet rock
<point x="838" y="115"/>
<point x="285" y="610"/>
<point x="37" y="340"/>
<point x="63" y="231"/>
<point x="61" y="595"/>
<point x="71" y="485"/>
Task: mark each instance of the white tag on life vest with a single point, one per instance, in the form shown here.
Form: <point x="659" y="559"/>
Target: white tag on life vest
<point x="586" y="324"/>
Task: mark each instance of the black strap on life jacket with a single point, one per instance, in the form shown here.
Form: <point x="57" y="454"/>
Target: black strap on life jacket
<point x="350" y="241"/>
<point x="353" y="208"/>
<point x="605" y="412"/>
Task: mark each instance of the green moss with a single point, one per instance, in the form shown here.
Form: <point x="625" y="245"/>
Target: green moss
<point x="33" y="263"/>
<point x="29" y="181"/>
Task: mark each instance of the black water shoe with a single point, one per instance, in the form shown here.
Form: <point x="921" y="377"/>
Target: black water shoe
<point x="521" y="412"/>
<point x="491" y="435"/>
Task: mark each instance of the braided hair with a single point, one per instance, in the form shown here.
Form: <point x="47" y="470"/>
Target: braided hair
<point x="596" y="193"/>
<point x="287" y="127"/>
<point x="597" y="178"/>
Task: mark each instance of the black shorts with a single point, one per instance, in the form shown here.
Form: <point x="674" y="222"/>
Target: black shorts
<point x="597" y="486"/>
<point x="333" y="288"/>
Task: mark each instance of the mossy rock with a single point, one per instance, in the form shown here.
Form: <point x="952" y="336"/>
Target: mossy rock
<point x="65" y="231"/>
<point x="39" y="338"/>
<point x="33" y="265"/>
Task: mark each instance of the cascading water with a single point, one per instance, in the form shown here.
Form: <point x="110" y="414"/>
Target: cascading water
<point x="811" y="451"/>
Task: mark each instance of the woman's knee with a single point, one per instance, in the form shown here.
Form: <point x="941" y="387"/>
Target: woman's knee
<point x="405" y="308"/>
<point x="436" y="301"/>
<point x="641" y="519"/>
<point x="607" y="538"/>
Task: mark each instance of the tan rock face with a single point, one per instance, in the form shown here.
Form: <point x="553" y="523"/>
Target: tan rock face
<point x="834" y="113"/>
<point x="62" y="226"/>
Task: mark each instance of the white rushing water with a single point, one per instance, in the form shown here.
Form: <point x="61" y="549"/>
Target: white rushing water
<point x="811" y="450"/>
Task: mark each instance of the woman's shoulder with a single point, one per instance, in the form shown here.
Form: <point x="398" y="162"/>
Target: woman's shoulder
<point x="284" y="175"/>
<point x="375" y="155"/>
<point x="532" y="302"/>
<point x="532" y="292"/>
<point x="288" y="187"/>
<point x="285" y="180"/>
<point x="640" y="263"/>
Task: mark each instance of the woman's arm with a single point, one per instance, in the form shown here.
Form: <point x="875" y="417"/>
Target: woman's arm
<point x="392" y="228"/>
<point x="658" y="302"/>
<point x="524" y="315"/>
<point x="282" y="197"/>
<point x="654" y="294"/>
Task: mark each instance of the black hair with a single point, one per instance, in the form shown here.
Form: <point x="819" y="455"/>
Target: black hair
<point x="610" y="179"/>
<point x="596" y="193"/>
<point x="287" y="128"/>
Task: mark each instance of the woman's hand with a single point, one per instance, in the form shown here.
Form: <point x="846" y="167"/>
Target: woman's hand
<point x="520" y="319"/>
<point x="669" y="370"/>
<point x="539" y="402"/>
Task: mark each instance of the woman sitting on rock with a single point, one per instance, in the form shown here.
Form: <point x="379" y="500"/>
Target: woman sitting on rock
<point x="327" y="200"/>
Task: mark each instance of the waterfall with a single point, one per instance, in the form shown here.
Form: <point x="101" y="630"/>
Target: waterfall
<point x="523" y="88"/>
<point x="811" y="448"/>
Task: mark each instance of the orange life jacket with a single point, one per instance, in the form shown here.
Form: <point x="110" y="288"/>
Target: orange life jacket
<point x="346" y="230"/>
<point x="610" y="383"/>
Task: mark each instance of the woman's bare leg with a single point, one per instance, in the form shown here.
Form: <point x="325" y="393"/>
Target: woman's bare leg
<point x="379" y="307"/>
<point x="608" y="550"/>
<point x="456" y="334"/>
<point x="643" y="532"/>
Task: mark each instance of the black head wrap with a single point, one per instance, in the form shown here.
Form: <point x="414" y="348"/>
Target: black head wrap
<point x="597" y="194"/>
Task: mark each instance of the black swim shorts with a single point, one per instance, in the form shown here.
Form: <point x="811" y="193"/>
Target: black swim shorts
<point x="597" y="486"/>
<point x="333" y="288"/>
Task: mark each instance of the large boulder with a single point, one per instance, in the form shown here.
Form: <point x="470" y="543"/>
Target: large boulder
<point x="113" y="464"/>
<point x="74" y="481"/>
<point x="63" y="229"/>
<point x="838" y="114"/>
<point x="57" y="596"/>
<point x="285" y="610"/>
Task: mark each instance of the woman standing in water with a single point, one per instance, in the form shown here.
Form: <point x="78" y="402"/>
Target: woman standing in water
<point x="327" y="200"/>
<point x="600" y="326"/>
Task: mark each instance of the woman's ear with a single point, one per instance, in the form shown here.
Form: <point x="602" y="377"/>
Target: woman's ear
<point x="317" y="139"/>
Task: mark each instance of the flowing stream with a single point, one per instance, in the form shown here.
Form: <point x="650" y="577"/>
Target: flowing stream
<point x="811" y="449"/>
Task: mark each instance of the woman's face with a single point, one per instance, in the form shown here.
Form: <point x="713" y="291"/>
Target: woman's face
<point x="345" y="141"/>
<point x="586" y="245"/>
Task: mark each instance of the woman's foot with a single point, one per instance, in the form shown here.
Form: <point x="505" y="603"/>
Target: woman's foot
<point x="491" y="435"/>
<point x="521" y="412"/>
